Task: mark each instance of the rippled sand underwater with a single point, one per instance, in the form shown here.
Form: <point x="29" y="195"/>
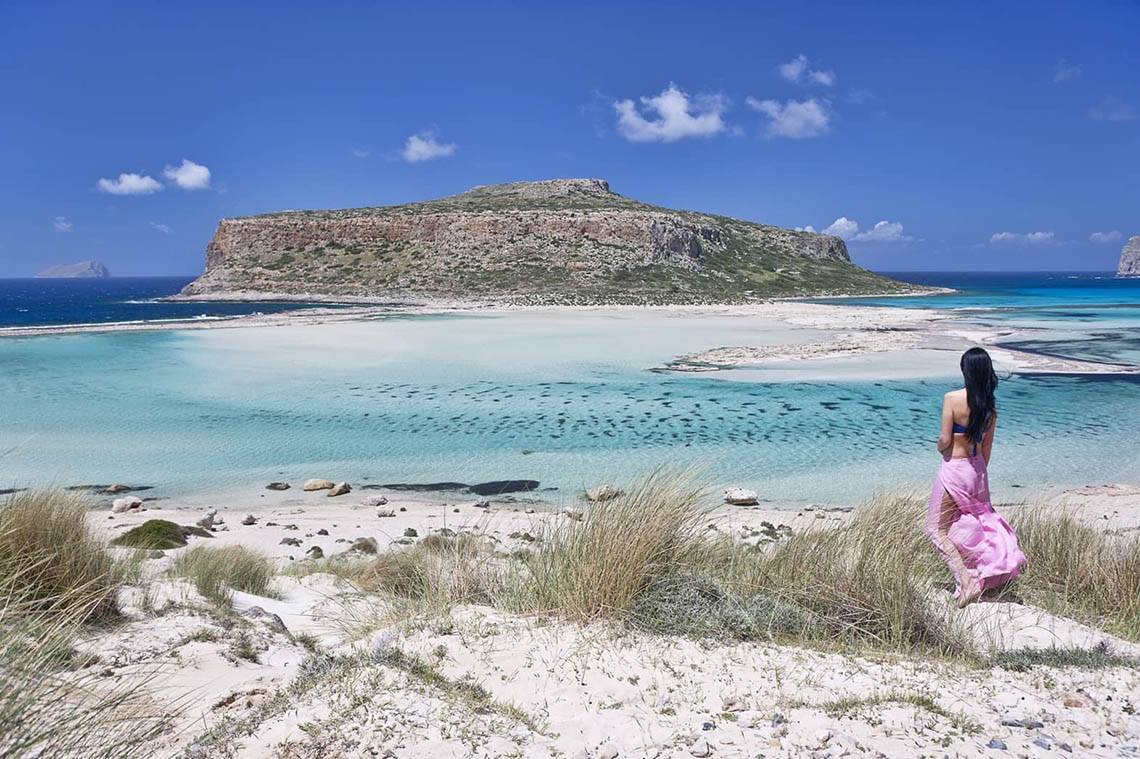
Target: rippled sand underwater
<point x="560" y="397"/>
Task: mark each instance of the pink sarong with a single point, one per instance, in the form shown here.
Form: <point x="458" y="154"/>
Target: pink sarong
<point x="985" y="541"/>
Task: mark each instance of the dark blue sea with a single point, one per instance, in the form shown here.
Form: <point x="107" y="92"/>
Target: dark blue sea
<point x="53" y="302"/>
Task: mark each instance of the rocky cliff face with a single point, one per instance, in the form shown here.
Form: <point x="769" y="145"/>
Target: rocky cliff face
<point x="556" y="241"/>
<point x="1130" y="258"/>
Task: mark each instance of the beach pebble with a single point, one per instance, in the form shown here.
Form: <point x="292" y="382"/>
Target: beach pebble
<point x="607" y="752"/>
<point x="129" y="503"/>
<point x="410" y="532"/>
<point x="311" y="485"/>
<point x="322" y="531"/>
<point x="290" y="542"/>
<point x="997" y="744"/>
<point x="372" y="501"/>
<point x="482" y="504"/>
<point x="605" y="492"/>
<point x="701" y="747"/>
<point x="741" y="497"/>
<point x="339" y="489"/>
<point x="365" y="545"/>
<point x="385" y="511"/>
<point x="210" y="520"/>
<point x="250" y="519"/>
<point x="732" y="704"/>
<point x="117" y="488"/>
<point x="315" y="552"/>
<point x="277" y="486"/>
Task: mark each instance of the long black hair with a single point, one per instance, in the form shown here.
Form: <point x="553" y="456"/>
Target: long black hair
<point x="981" y="382"/>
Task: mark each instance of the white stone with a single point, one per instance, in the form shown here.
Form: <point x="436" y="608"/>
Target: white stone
<point x="741" y="497"/>
<point x="128" y="503"/>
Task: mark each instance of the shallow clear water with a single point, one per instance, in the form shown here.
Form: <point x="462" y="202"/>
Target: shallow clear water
<point x="562" y="398"/>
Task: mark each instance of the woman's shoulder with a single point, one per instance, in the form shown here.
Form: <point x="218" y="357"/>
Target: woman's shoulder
<point x="954" y="395"/>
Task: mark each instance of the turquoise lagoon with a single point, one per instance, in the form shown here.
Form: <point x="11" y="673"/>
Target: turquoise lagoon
<point x="560" y="397"/>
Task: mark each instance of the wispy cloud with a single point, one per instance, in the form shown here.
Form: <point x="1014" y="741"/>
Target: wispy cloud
<point x="188" y="175"/>
<point x="794" y="119"/>
<point x="361" y="152"/>
<point x="161" y="227"/>
<point x="670" y="116"/>
<point x="1112" y="236"/>
<point x="129" y="184"/>
<point x="1023" y="238"/>
<point x="61" y="224"/>
<point x="1066" y="72"/>
<point x="799" y="71"/>
<point x="425" y="147"/>
<point x="1112" y="109"/>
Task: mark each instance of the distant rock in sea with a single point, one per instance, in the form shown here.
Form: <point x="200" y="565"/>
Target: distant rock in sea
<point x="83" y="270"/>
<point x="1130" y="258"/>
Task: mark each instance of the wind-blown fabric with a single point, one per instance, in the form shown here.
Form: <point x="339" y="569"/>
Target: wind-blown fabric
<point x="984" y="540"/>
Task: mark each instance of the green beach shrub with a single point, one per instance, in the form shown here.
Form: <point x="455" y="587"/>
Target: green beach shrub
<point x="154" y="534"/>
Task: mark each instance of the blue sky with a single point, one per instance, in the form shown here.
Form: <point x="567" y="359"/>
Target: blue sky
<point x="983" y="136"/>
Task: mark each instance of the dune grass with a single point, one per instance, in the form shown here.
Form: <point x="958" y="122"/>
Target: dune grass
<point x="154" y="534"/>
<point x="50" y="559"/>
<point x="646" y="559"/>
<point x="217" y="572"/>
<point x="55" y="578"/>
<point x="1078" y="570"/>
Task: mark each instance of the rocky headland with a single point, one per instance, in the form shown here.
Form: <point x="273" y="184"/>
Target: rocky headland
<point x="1130" y="258"/>
<point x="560" y="241"/>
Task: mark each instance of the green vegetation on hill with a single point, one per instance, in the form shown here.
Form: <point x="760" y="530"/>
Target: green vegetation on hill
<point x="552" y="242"/>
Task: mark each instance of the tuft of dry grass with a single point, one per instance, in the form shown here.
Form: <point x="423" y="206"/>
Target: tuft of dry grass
<point x="442" y="569"/>
<point x="598" y="566"/>
<point x="1075" y="569"/>
<point x="50" y="559"/>
<point x="55" y="577"/>
<point x="217" y="572"/>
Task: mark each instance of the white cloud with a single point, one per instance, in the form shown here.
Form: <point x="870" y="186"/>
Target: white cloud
<point x="1066" y="72"/>
<point x="842" y="227"/>
<point x="673" y="115"/>
<point x="61" y="224"/>
<point x="798" y="70"/>
<point x="884" y="231"/>
<point x="188" y="176"/>
<point x="361" y="153"/>
<point x="808" y="228"/>
<point x="793" y="119"/>
<point x="1020" y="238"/>
<point x="1112" y="236"/>
<point x="424" y="147"/>
<point x="1111" y="109"/>
<point x="161" y="227"/>
<point x="129" y="184"/>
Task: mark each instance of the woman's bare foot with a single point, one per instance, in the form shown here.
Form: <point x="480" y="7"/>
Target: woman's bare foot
<point x="971" y="592"/>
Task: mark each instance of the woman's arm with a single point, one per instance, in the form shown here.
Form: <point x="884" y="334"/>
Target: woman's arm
<point x="946" y="433"/>
<point x="988" y="439"/>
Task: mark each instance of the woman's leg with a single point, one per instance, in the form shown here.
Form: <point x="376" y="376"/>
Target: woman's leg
<point x="940" y="515"/>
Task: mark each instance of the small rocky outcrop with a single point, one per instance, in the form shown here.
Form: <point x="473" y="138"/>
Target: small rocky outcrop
<point x="277" y="486"/>
<point x="82" y="270"/>
<point x="1130" y="258"/>
<point x="312" y="485"/>
<point x="339" y="489"/>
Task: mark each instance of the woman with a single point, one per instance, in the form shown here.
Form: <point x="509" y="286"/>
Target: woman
<point x="976" y="543"/>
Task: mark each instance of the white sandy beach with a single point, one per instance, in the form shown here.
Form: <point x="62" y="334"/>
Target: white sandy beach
<point x="561" y="689"/>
